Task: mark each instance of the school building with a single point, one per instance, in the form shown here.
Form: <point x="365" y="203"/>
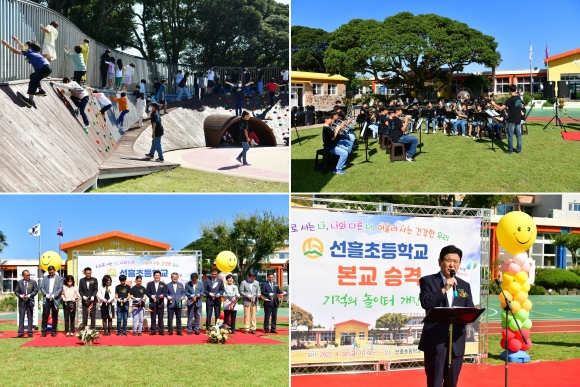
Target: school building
<point x="320" y="90"/>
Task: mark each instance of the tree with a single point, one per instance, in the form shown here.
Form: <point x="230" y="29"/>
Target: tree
<point x="409" y="51"/>
<point x="300" y="317"/>
<point x="393" y="322"/>
<point x="569" y="241"/>
<point x="477" y="83"/>
<point x="308" y="48"/>
<point x="251" y="237"/>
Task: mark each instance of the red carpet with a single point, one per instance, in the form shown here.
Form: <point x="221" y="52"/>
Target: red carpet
<point x="571" y="136"/>
<point x="62" y="341"/>
<point x="540" y="374"/>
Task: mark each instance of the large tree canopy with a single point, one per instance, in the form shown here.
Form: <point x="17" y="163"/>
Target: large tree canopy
<point x="198" y="32"/>
<point x="405" y="49"/>
<point x="308" y="47"/>
<point x="251" y="237"/>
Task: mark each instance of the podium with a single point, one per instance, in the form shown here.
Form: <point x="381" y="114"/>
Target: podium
<point x="453" y="315"/>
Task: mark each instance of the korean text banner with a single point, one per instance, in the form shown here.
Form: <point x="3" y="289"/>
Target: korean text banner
<point x="354" y="269"/>
<point x="132" y="266"/>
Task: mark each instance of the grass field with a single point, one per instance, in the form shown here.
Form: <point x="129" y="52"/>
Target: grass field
<point x="545" y="346"/>
<point x="446" y="164"/>
<point x="210" y="364"/>
<point x="188" y="180"/>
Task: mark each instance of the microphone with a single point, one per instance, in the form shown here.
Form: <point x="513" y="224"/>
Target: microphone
<point x="452" y="273"/>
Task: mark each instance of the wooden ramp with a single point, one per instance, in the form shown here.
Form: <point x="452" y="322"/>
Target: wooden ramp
<point x="46" y="149"/>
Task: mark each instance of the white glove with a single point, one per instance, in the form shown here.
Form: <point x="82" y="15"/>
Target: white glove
<point x="169" y="297"/>
<point x="85" y="298"/>
<point x="92" y="298"/>
<point x="271" y="294"/>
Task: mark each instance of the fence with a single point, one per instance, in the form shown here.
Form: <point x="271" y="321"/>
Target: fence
<point x="22" y="19"/>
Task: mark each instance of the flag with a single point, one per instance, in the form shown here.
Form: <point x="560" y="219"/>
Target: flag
<point x="59" y="231"/>
<point x="531" y="53"/>
<point x="35" y="230"/>
<point x="546" y="50"/>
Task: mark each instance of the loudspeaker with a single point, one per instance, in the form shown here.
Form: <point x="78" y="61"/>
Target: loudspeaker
<point x="548" y="89"/>
<point x="563" y="89"/>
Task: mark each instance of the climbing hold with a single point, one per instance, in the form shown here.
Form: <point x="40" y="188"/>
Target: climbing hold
<point x="94" y="123"/>
<point x="280" y="124"/>
<point x="97" y="122"/>
<point x="97" y="115"/>
<point x="89" y="109"/>
<point x="100" y="150"/>
<point x="104" y="136"/>
<point x="97" y="132"/>
<point x="113" y="144"/>
<point x="86" y="131"/>
<point x="65" y="103"/>
<point x="98" y="141"/>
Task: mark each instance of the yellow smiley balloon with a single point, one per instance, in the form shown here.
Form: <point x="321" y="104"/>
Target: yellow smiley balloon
<point x="50" y="258"/>
<point x="226" y="261"/>
<point x="516" y="232"/>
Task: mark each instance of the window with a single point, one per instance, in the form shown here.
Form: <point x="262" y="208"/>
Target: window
<point x="455" y="86"/>
<point x="317" y="89"/>
<point x="282" y="255"/>
<point x="523" y="84"/>
<point x="502" y="85"/>
<point x="504" y="209"/>
<point x="312" y="336"/>
<point x="570" y="77"/>
<point x="9" y="280"/>
<point x="538" y="81"/>
<point x="361" y="335"/>
<point x="327" y="336"/>
<point x="331" y="89"/>
<point x="574" y="206"/>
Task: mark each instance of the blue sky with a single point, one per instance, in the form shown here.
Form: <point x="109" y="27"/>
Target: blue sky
<point x="534" y="22"/>
<point x="172" y="219"/>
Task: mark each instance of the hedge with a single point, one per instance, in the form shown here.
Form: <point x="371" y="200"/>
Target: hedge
<point x="557" y="279"/>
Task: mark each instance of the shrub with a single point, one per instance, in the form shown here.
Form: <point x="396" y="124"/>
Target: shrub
<point x="557" y="278"/>
<point x="575" y="270"/>
<point x="8" y="303"/>
<point x="537" y="290"/>
<point x="416" y="342"/>
<point x="527" y="98"/>
<point x="554" y="293"/>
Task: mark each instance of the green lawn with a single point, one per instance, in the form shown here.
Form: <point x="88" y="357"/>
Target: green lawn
<point x="229" y="365"/>
<point x="188" y="180"/>
<point x="545" y="346"/>
<point x="446" y="164"/>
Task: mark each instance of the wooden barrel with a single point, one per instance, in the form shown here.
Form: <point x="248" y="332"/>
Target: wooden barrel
<point x="215" y="126"/>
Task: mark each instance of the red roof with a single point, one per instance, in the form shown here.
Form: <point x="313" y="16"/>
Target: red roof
<point x="563" y="55"/>
<point x="66" y="246"/>
<point x="353" y="321"/>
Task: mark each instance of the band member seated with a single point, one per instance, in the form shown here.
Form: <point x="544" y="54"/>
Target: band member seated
<point x="330" y="139"/>
<point x="497" y="125"/>
<point x="397" y="134"/>
<point x="476" y="125"/>
<point x="431" y="118"/>
<point x="461" y="119"/>
<point x="364" y="117"/>
<point x="344" y="138"/>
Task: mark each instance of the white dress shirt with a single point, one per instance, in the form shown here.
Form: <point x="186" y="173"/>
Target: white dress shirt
<point x="51" y="284"/>
<point x="448" y="293"/>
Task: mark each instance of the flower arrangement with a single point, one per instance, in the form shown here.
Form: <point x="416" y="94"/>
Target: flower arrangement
<point x="87" y="335"/>
<point x="462" y="293"/>
<point x="218" y="333"/>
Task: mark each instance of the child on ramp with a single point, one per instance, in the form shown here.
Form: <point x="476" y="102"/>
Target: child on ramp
<point x="123" y="108"/>
<point x="42" y="69"/>
<point x="104" y="101"/>
<point x="78" y="95"/>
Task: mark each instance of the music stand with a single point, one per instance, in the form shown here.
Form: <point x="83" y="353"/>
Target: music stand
<point x="452" y="316"/>
<point x="480" y="117"/>
<point x="296" y="128"/>
<point x="362" y="133"/>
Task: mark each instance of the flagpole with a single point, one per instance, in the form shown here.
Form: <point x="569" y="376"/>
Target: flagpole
<point x="59" y="237"/>
<point x="547" y="63"/>
<point x="39" y="236"/>
<point x="531" y="75"/>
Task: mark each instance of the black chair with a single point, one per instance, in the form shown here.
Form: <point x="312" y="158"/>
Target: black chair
<point x="329" y="161"/>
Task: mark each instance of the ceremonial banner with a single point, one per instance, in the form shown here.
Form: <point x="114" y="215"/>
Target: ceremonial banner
<point x="356" y="269"/>
<point x="133" y="265"/>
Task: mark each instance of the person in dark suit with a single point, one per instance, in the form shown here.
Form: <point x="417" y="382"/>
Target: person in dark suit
<point x="51" y="289"/>
<point x="156" y="291"/>
<point x="88" y="289"/>
<point x="25" y="292"/>
<point x="213" y="289"/>
<point x="193" y="292"/>
<point x="270" y="293"/>
<point x="175" y="297"/>
<point x="437" y="291"/>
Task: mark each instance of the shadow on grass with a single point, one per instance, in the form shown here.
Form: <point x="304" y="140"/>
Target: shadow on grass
<point x="306" y="179"/>
<point x="305" y="139"/>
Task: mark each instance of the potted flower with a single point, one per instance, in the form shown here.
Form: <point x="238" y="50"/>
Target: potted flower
<point x="218" y="333"/>
<point x="87" y="335"/>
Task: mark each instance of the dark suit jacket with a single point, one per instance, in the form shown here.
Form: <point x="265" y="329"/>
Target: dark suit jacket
<point x="207" y="289"/>
<point x="90" y="292"/>
<point x="435" y="336"/>
<point x="192" y="293"/>
<point x="266" y="289"/>
<point x="161" y="290"/>
<point x="32" y="292"/>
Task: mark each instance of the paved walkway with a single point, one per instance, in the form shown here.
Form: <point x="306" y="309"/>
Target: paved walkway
<point x="267" y="163"/>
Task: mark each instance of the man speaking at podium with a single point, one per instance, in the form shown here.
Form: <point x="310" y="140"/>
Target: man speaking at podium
<point x="437" y="290"/>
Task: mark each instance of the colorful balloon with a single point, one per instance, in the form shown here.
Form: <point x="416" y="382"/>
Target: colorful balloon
<point x="514" y="268"/>
<point x="50" y="258"/>
<point x="226" y="261"/>
<point x="527" y="324"/>
<point x="527" y="305"/>
<point x="527" y="346"/>
<point x="520" y="296"/>
<point x="516" y="232"/>
<point x="514" y="288"/>
<point x="521" y="277"/>
<point x="521" y="258"/>
<point x="522" y="314"/>
<point x="514" y="345"/>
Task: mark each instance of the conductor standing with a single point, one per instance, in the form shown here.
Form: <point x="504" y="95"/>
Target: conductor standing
<point x="437" y="290"/>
